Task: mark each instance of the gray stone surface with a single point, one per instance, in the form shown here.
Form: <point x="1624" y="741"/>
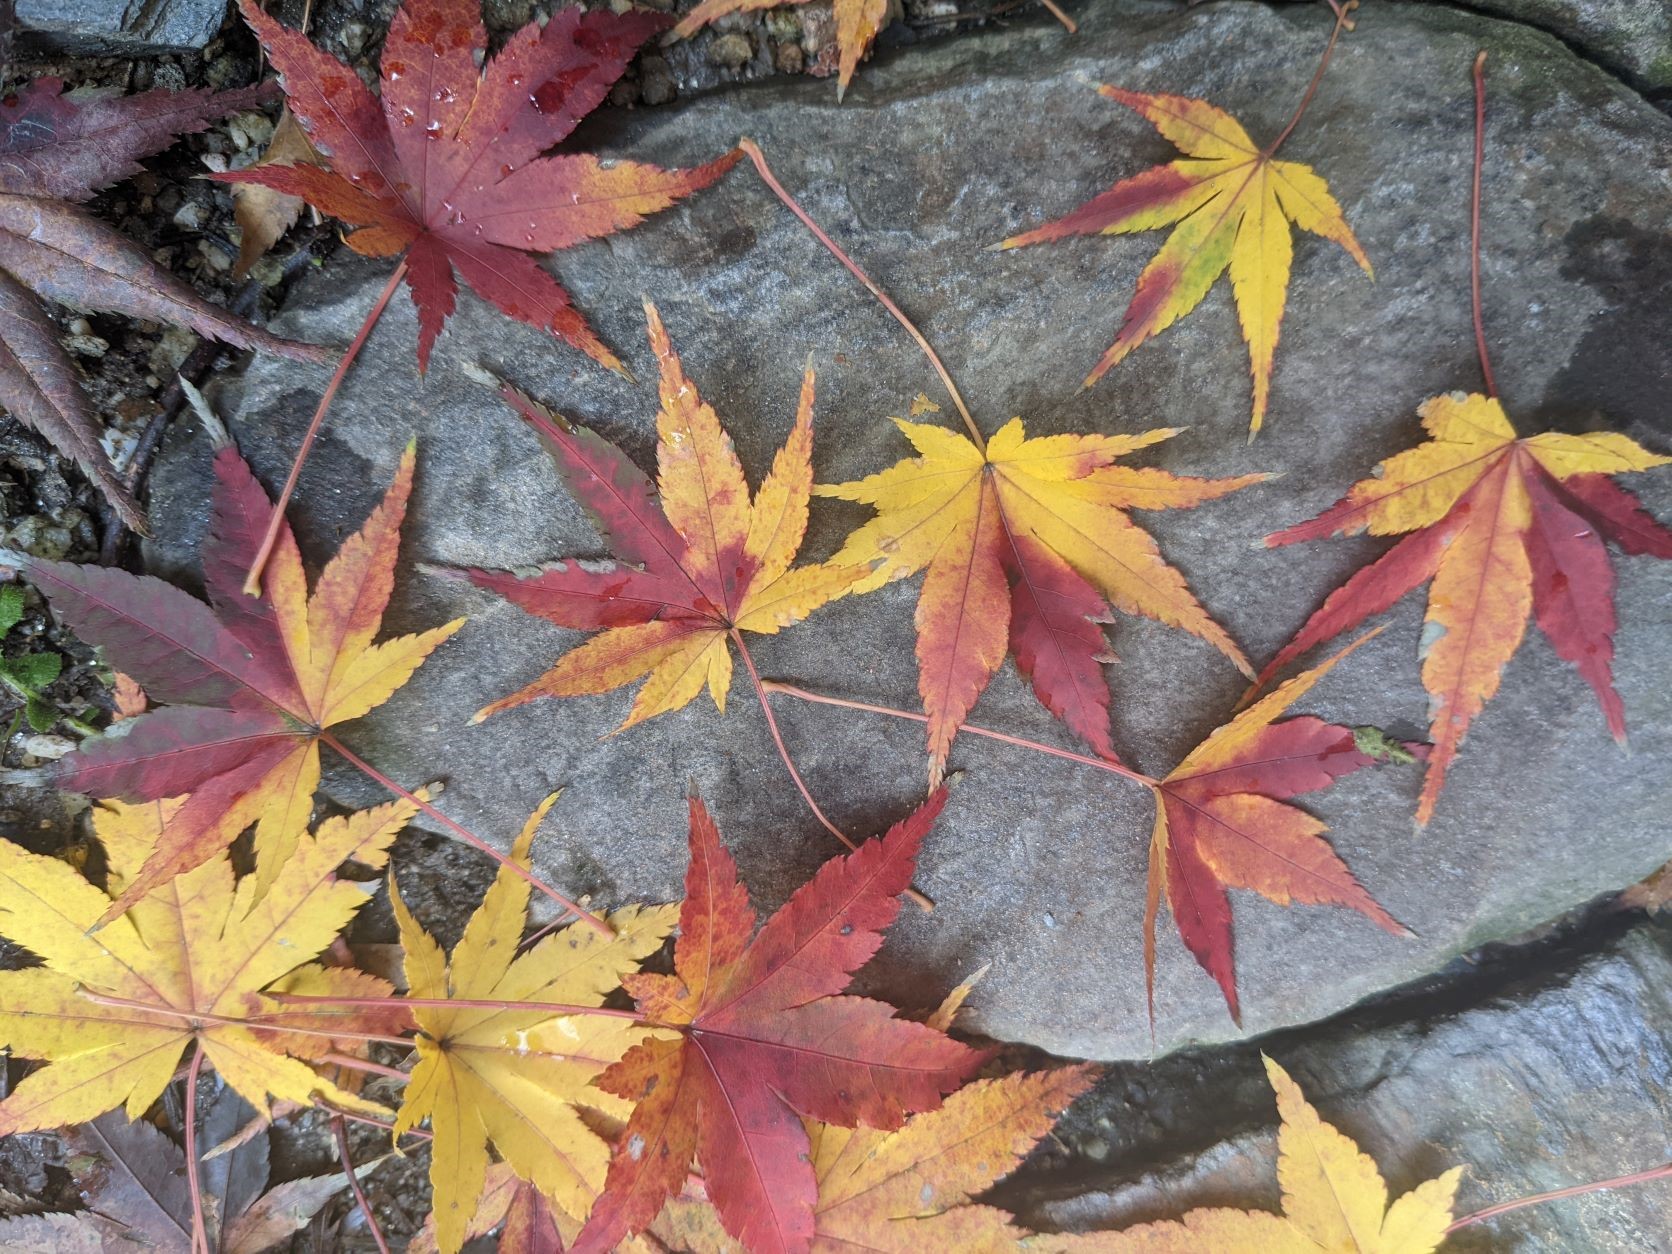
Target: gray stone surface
<point x="1631" y="38"/>
<point x="1038" y="866"/>
<point x="120" y="28"/>
<point x="1557" y="1080"/>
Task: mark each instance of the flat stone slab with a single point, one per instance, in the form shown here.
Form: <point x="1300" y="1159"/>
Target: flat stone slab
<point x="121" y="28"/>
<point x="1038" y="865"/>
<point x="1550" y="1082"/>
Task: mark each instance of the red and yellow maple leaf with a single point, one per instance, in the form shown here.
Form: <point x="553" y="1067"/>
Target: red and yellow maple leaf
<point x="445" y="166"/>
<point x="1221" y="822"/>
<point x="752" y="1036"/>
<point x="1231" y="203"/>
<point x="1027" y="544"/>
<point x="111" y="1013"/>
<point x="247" y="685"/>
<point x="1505" y="527"/>
<point x="695" y="568"/>
<point x="857" y="24"/>
<point x="909" y="1190"/>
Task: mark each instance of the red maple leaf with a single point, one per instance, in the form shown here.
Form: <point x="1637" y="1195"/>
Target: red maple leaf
<point x="445" y="167"/>
<point x="758" y="1038"/>
<point x="55" y="151"/>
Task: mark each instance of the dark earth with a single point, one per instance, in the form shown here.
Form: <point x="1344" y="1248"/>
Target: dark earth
<point x="1521" y="1031"/>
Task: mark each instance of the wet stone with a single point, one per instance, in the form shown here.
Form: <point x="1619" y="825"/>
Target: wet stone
<point x="1038" y="866"/>
<point x="1554" y="1079"/>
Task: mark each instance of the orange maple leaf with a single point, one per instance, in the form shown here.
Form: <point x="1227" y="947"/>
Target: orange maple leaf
<point x="1221" y="822"/>
<point x="696" y="568"/>
<point x="1027" y="544"/>
<point x="1506" y="527"/>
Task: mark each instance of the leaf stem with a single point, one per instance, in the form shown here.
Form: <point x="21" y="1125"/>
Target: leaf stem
<point x="254" y="1024"/>
<point x="363" y="1064"/>
<point x="1056" y="11"/>
<point x="252" y="580"/>
<point x="789" y="764"/>
<point x="1503" y="1208"/>
<point x="375" y="1123"/>
<point x="1474" y="225"/>
<point x="1341" y="22"/>
<point x="454" y="1003"/>
<point x="1102" y="764"/>
<point x="465" y="834"/>
<point x="339" y="1126"/>
<point x="200" y="1234"/>
<point x="752" y="150"/>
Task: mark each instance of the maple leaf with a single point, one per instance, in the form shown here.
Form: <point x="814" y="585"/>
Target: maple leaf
<point x="527" y="1223"/>
<point x="446" y="169"/>
<point x="1333" y="1199"/>
<point x="909" y="1190"/>
<point x="707" y="565"/>
<point x="1505" y="527"/>
<point x="262" y="213"/>
<point x="111" y="1013"/>
<point x="751" y="1036"/>
<point x="1231" y="203"/>
<point x="857" y="24"/>
<point x="1221" y="822"/>
<point x="54" y="151"/>
<point x="132" y="1178"/>
<point x="515" y="1076"/>
<point x="1027" y="544"/>
<point x="248" y="685"/>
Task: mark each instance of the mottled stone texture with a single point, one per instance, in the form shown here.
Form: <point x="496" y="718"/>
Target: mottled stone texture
<point x="1038" y="866"/>
<point x="121" y="28"/>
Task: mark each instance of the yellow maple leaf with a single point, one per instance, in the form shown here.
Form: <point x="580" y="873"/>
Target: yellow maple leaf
<point x="1334" y="1201"/>
<point x="1230" y="203"/>
<point x="510" y="1076"/>
<point x="112" y="1011"/>
<point x="1027" y="544"/>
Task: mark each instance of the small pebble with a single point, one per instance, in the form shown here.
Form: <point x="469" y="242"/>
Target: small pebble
<point x="732" y="51"/>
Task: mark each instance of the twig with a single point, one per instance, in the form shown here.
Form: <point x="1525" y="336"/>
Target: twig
<point x="465" y="834"/>
<point x="365" y="1064"/>
<point x="752" y="150"/>
<point x="1102" y="764"/>
<point x="789" y="763"/>
<point x="1503" y="1208"/>
<point x="199" y="362"/>
<point x="1056" y="11"/>
<point x="200" y="1234"/>
<point x="252" y="581"/>
<point x="1474" y="224"/>
<point x="1341" y="22"/>
<point x="339" y="1126"/>
<point x="455" y="1003"/>
<point x="376" y="1123"/>
<point x="254" y="1023"/>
